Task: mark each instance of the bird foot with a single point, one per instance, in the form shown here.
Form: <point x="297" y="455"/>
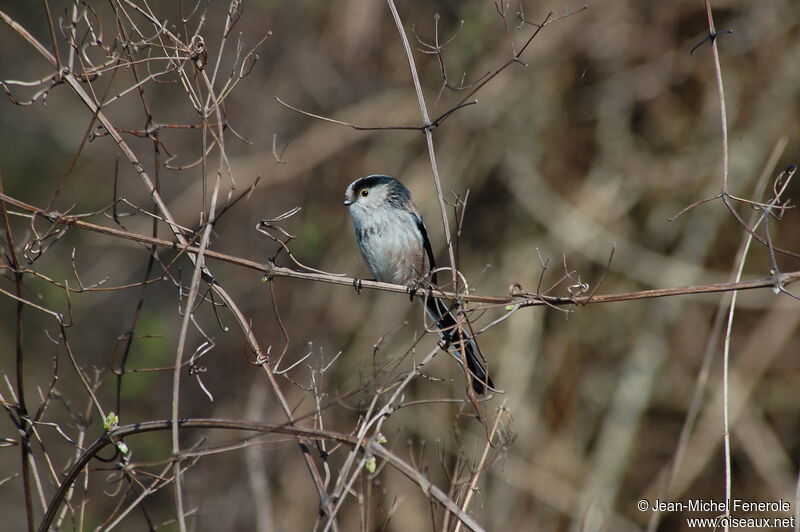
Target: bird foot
<point x="413" y="288"/>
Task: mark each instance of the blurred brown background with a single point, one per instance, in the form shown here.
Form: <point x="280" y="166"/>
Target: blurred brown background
<point x="611" y="128"/>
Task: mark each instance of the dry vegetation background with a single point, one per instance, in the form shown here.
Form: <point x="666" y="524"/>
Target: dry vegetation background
<point x="611" y="128"/>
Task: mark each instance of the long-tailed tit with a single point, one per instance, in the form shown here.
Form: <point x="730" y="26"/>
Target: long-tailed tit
<point x="394" y="243"/>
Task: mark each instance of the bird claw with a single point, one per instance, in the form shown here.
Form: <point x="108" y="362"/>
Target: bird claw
<point x="357" y="284"/>
<point x="412" y="291"/>
<point x="414" y="287"/>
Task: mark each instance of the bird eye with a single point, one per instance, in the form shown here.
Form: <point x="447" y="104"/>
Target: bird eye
<point x="364" y="192"/>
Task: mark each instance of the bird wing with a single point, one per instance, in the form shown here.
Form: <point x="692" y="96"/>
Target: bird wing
<point x="426" y="243"/>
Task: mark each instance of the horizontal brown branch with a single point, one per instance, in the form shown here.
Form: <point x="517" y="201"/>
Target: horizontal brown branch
<point x="525" y="299"/>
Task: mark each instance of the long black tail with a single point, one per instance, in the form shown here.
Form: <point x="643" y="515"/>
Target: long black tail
<point x="455" y="337"/>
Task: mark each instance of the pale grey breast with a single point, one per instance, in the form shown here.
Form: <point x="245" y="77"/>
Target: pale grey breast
<point x="392" y="246"/>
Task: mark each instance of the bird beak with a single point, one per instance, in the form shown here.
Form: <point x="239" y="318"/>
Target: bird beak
<point x="348" y="202"/>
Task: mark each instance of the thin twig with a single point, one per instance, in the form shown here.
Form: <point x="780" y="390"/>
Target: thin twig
<point x="120" y="433"/>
